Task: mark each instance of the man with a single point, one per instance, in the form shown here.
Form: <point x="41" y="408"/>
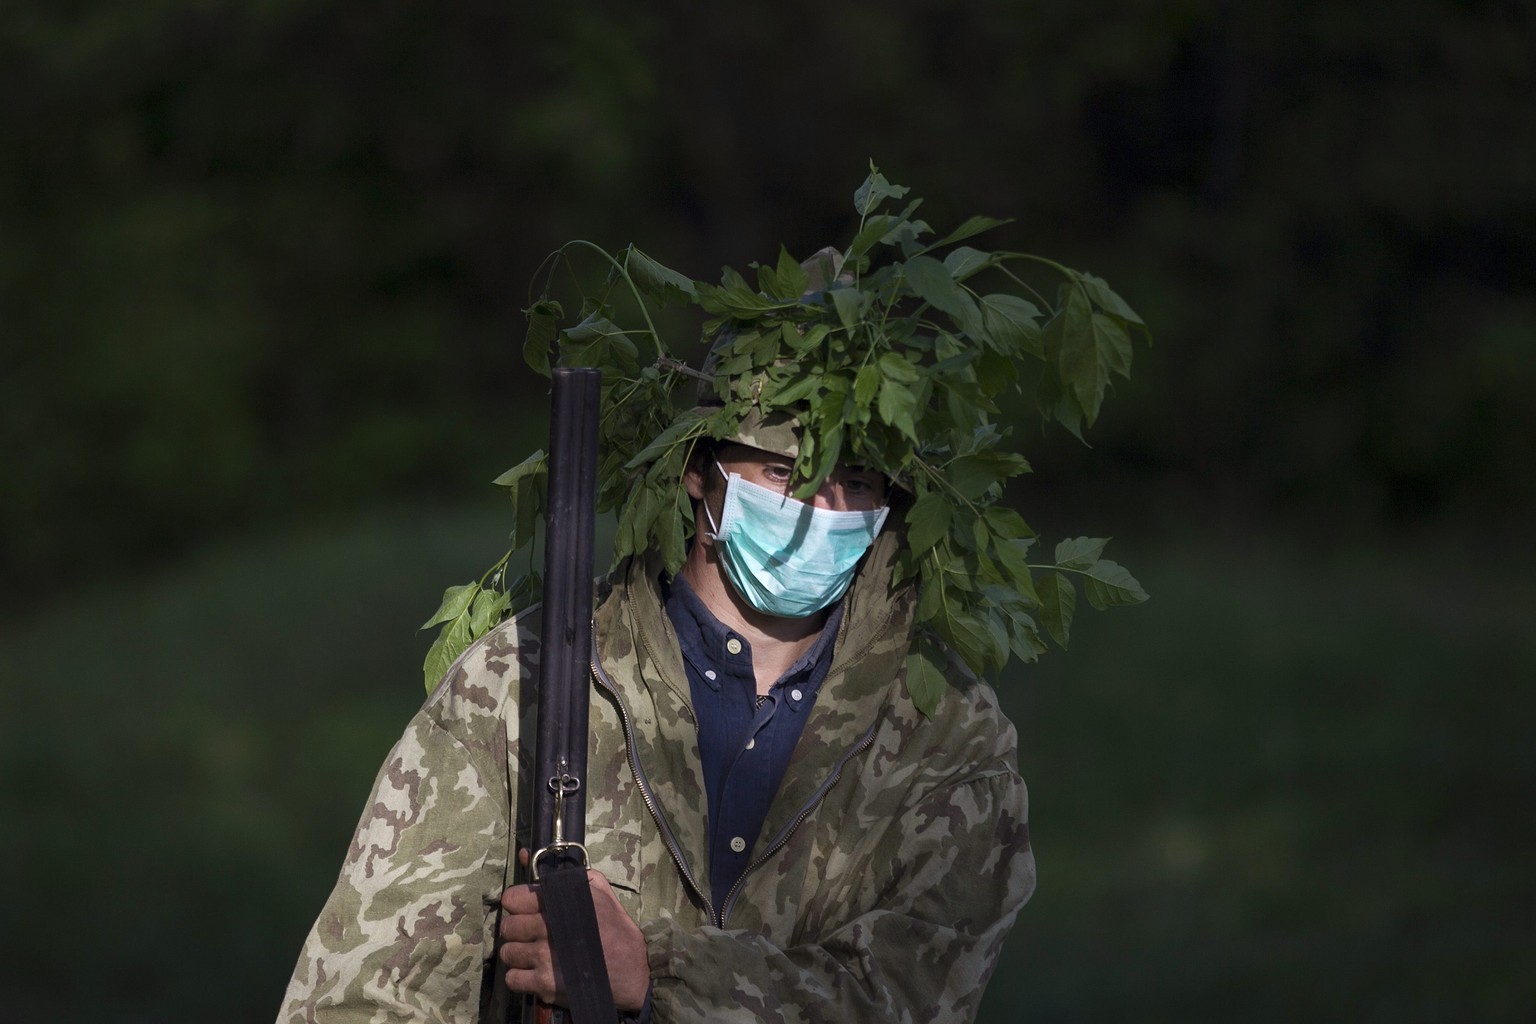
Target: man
<point x="776" y="829"/>
<point x="888" y="861"/>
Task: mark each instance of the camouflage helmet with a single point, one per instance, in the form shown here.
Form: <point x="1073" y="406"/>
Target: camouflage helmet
<point x="776" y="431"/>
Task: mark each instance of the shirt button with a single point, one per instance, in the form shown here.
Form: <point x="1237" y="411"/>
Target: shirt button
<point x="738" y="844"/>
<point x="751" y="743"/>
<point x="733" y="645"/>
<point x="796" y="694"/>
<point x="709" y="673"/>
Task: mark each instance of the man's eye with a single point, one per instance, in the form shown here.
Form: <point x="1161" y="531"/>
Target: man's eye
<point x="864" y="484"/>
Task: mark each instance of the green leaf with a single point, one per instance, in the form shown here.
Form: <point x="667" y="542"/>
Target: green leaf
<point x="1050" y="394"/>
<point x="1113" y="343"/>
<point x="932" y="283"/>
<point x="898" y="369"/>
<point x="974" y="640"/>
<point x="687" y="422"/>
<point x="532" y="465"/>
<point x="874" y="191"/>
<point x="994" y="372"/>
<point x="1014" y="558"/>
<point x="527" y="484"/>
<point x="453" y="641"/>
<point x="794" y="390"/>
<point x="1005" y="522"/>
<point x="925" y="682"/>
<point x="634" y="522"/>
<point x="598" y="341"/>
<point x="798" y="342"/>
<point x="528" y="500"/>
<point x="850" y="303"/>
<point x="965" y="261"/>
<point x="793" y="278"/>
<point x="927" y="521"/>
<point x="866" y="385"/>
<point x="1079" y="552"/>
<point x="674" y="532"/>
<point x="1081" y="364"/>
<point x="763" y="345"/>
<point x="1106" y="299"/>
<point x="829" y="451"/>
<point x="1013" y="324"/>
<point x="1108" y="584"/>
<point x="662" y="283"/>
<point x="1058" y="600"/>
<point x="930" y="594"/>
<point x="973" y="475"/>
<point x="971" y="227"/>
<point x="898" y="407"/>
<point x="876" y="229"/>
<point x="987" y="569"/>
<point x="487" y="611"/>
<point x="735" y="298"/>
<point x="1023" y="636"/>
<point x="997" y="636"/>
<point x="543" y="328"/>
<point x="906" y="234"/>
<point x="593" y="327"/>
<point x="455" y="601"/>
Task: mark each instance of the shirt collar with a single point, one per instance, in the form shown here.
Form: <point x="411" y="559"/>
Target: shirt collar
<point x="706" y="641"/>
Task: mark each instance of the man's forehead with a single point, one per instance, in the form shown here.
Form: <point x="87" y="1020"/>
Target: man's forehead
<point x="738" y="452"/>
<point x="735" y="451"/>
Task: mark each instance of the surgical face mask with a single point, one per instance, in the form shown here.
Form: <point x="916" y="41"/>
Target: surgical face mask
<point x="784" y="556"/>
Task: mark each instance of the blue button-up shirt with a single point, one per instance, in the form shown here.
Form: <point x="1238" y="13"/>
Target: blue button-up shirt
<point x="745" y="743"/>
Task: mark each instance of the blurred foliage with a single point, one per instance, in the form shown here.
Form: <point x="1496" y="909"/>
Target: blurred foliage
<point x="261" y="258"/>
<point x="263" y="262"/>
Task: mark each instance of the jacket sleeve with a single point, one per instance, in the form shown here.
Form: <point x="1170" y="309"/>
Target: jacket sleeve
<point x="405" y="933"/>
<point x="919" y="940"/>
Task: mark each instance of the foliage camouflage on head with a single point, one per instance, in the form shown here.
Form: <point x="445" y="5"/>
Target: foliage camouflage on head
<point x="889" y="354"/>
<point x="778" y="431"/>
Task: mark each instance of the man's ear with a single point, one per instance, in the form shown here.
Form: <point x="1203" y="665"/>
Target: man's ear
<point x="693" y="481"/>
<point x="693" y="473"/>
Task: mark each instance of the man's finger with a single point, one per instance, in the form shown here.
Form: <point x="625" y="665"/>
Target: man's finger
<point x="524" y="928"/>
<point x="535" y="983"/>
<point x="520" y="899"/>
<point x="526" y="956"/>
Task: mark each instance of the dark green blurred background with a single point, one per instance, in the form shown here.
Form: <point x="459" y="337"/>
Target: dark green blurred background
<point x="261" y="267"/>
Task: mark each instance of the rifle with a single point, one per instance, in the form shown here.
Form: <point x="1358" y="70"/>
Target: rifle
<point x="559" y="862"/>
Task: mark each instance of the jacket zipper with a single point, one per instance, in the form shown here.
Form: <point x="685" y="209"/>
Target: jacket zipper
<point x="789" y="830"/>
<point x="666" y="831"/>
<point x="645" y="788"/>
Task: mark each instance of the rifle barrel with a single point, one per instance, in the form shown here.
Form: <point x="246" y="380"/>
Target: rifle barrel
<point x="566" y="636"/>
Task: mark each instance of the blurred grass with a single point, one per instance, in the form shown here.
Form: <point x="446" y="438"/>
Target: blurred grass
<point x="1295" y="785"/>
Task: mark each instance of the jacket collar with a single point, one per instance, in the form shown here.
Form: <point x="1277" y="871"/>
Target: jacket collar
<point x="639" y="652"/>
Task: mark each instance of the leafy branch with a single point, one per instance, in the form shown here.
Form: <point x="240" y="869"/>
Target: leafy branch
<point x="901" y="364"/>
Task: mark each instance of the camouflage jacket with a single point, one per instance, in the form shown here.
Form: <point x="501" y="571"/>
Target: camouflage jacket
<point x="893" y="861"/>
